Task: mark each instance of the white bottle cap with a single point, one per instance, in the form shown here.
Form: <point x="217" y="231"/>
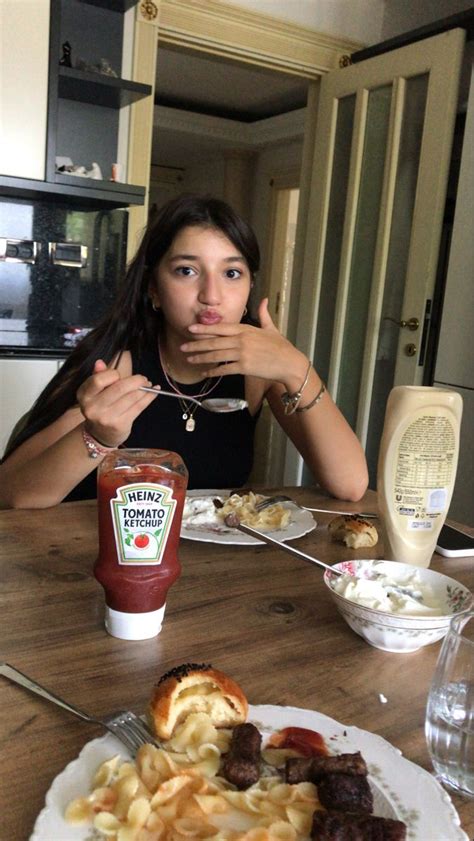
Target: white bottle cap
<point x="133" y="626"/>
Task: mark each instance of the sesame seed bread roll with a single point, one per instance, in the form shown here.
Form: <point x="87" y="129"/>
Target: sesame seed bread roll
<point x="352" y="530"/>
<point x="196" y="688"/>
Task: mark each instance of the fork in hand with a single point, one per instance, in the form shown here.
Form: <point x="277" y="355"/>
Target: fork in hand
<point x="126" y="726"/>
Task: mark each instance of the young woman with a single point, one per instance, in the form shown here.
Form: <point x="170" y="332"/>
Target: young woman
<point x="179" y="322"/>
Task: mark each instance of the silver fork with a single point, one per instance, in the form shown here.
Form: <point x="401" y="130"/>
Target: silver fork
<point x="126" y="726"/>
<point x="272" y="500"/>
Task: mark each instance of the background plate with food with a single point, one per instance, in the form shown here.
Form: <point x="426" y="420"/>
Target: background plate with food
<point x="203" y="522"/>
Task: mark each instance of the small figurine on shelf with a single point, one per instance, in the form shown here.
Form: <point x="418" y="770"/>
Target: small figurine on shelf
<point x="67" y="167"/>
<point x="104" y="67"/>
<point x="95" y="172"/>
<point x="116" y="172"/>
<point x="65" y="60"/>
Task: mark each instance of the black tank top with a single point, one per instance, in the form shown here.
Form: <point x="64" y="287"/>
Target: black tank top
<point x="217" y="454"/>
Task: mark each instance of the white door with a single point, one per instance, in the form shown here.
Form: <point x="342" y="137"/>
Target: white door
<point x="380" y="168"/>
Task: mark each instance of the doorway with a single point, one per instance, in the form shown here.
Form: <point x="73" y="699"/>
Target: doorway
<point x="235" y="131"/>
<point x="230" y="129"/>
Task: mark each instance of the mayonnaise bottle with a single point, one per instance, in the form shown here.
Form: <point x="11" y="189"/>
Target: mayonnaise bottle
<point x="416" y="470"/>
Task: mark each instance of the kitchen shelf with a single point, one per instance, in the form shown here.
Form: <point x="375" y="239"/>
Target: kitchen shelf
<point x="74" y="190"/>
<point x="114" y="187"/>
<point x="99" y="89"/>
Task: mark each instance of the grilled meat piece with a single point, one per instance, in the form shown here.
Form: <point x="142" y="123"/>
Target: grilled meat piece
<point x="299" y="770"/>
<point x="345" y="792"/>
<point x="241" y="765"/>
<point x="333" y="826"/>
<point x="314" y="768"/>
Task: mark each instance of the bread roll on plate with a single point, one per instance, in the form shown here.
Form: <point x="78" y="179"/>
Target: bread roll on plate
<point x="196" y="688"/>
<point x="352" y="530"/>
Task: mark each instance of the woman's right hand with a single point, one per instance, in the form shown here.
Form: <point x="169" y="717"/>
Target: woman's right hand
<point x="110" y="403"/>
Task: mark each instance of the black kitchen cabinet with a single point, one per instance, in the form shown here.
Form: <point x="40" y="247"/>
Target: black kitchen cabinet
<point x="84" y="106"/>
<point x="84" y="103"/>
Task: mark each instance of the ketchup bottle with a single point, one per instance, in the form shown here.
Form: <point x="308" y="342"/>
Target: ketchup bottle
<point x="141" y="496"/>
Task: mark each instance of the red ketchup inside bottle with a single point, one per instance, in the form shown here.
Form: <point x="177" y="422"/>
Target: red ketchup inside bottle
<point x="141" y="495"/>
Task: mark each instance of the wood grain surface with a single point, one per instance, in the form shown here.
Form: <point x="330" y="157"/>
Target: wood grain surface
<point x="254" y="612"/>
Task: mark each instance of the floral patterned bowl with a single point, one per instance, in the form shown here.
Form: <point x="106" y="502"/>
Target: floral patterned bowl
<point x="395" y="632"/>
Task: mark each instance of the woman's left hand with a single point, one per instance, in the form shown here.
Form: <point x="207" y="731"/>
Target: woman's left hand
<point x="244" y="349"/>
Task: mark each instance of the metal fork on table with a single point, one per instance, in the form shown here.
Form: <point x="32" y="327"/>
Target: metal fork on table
<point x="272" y="500"/>
<point x="126" y="726"/>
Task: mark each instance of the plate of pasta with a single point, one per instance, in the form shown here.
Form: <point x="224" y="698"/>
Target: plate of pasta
<point x="191" y="801"/>
<point x="203" y="521"/>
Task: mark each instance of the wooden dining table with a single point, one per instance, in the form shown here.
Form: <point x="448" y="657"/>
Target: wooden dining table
<point x="254" y="612"/>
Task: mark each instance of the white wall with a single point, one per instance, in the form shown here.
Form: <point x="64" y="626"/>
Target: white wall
<point x="203" y="177"/>
<point x="367" y="21"/>
<point x="206" y="177"/>
<point x="402" y="15"/>
<point x="359" y="20"/>
<point x="455" y="359"/>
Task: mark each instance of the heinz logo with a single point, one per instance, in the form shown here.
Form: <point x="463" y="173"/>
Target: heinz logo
<point x="142" y="516"/>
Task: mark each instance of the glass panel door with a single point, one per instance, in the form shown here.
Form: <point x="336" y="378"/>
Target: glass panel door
<point x="363" y="251"/>
<point x="380" y="169"/>
<point x="392" y="305"/>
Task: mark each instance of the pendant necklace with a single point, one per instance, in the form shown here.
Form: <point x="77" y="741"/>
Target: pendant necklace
<point x="188" y="409"/>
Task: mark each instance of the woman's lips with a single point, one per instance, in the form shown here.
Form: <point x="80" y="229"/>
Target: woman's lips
<point x="209" y="317"/>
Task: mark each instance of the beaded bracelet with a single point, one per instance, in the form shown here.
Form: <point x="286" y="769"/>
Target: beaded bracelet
<point x="290" y="401"/>
<point x="94" y="447"/>
<point x="315" y="401"/>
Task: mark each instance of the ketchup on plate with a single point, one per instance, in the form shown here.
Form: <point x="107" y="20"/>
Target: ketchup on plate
<point x="300" y="739"/>
<point x="141" y="496"/>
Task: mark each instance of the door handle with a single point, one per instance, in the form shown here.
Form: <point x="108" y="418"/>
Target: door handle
<point x="411" y="324"/>
<point x="19" y="250"/>
<point x="72" y="254"/>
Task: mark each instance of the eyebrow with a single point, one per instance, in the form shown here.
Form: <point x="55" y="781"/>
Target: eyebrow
<point x="236" y="259"/>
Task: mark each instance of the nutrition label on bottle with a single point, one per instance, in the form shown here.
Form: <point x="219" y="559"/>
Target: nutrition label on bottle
<point x="426" y="456"/>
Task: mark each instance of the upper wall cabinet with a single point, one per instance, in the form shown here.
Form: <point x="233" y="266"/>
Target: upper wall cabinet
<point x="23" y="88"/>
<point x="87" y="109"/>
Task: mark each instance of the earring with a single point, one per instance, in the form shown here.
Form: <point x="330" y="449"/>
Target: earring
<point x="154" y="307"/>
<point x="244" y="312"/>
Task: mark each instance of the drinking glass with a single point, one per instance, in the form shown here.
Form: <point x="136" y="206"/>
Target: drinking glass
<point x="449" y="724"/>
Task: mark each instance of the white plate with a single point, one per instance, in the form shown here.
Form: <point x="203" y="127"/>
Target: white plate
<point x="402" y="790"/>
<point x="302" y="522"/>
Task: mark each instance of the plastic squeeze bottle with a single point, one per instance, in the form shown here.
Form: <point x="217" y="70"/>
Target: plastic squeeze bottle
<point x="417" y="469"/>
<point x="141" y="496"/>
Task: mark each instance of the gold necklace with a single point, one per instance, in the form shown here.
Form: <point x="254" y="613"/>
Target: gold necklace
<point x="188" y="415"/>
<point x="188" y="409"/>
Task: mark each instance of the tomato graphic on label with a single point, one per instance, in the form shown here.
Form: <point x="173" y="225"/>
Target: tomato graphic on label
<point x="141" y="541"/>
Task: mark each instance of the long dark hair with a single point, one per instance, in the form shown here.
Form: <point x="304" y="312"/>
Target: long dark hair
<point x="131" y="323"/>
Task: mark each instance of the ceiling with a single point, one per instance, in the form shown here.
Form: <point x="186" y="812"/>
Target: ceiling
<point x="191" y="81"/>
<point x="208" y="84"/>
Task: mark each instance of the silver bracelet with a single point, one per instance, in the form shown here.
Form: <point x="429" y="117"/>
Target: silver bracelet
<point x="94" y="448"/>
<point x="315" y="401"/>
<point x="290" y="401"/>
